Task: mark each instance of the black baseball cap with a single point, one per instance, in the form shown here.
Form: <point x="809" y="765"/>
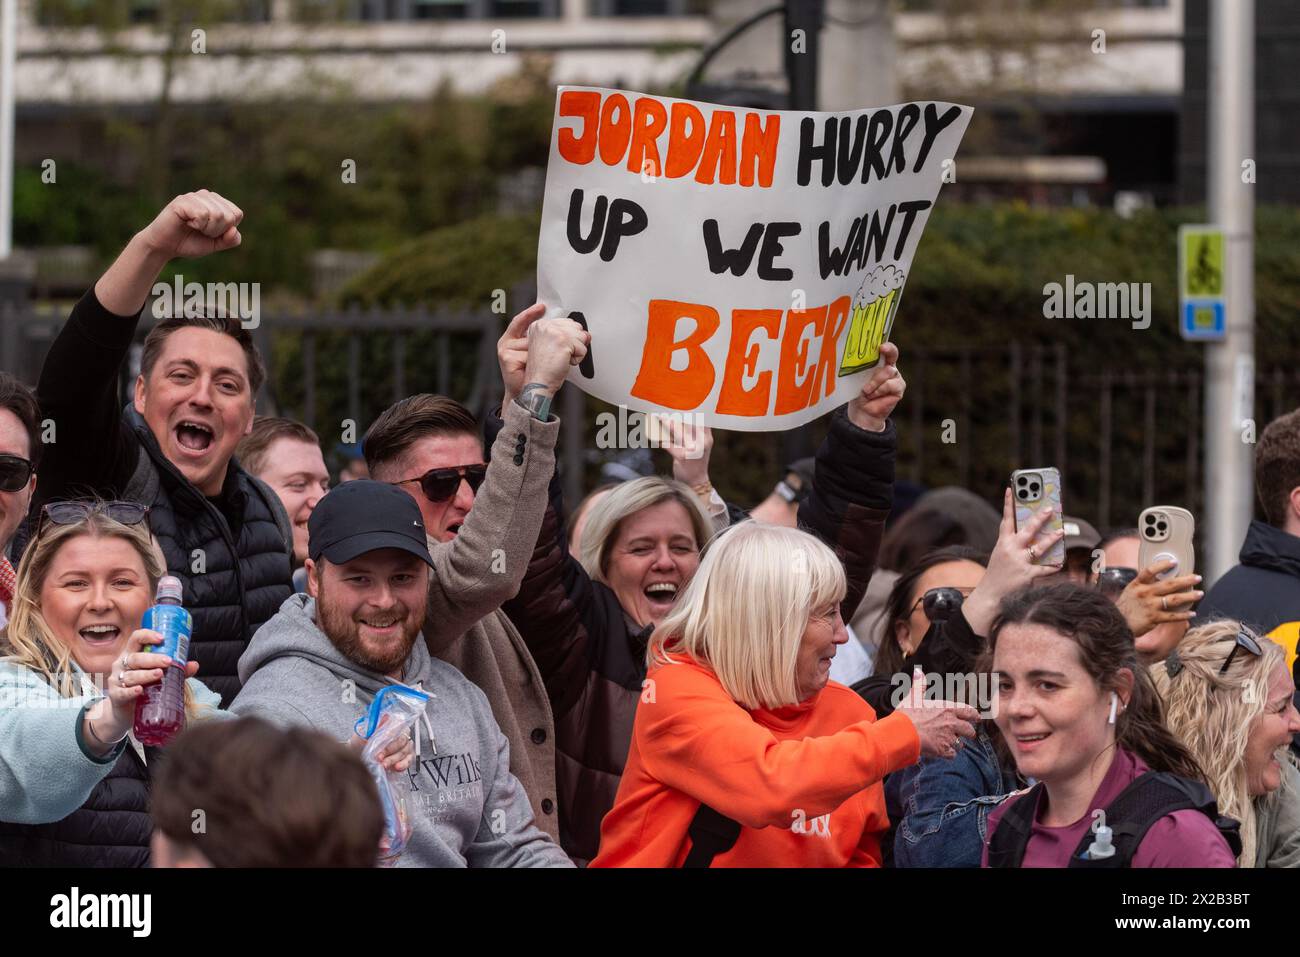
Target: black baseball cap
<point x="363" y="516"/>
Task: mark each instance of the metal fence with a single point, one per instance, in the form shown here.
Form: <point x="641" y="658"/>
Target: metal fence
<point x="1123" y="438"/>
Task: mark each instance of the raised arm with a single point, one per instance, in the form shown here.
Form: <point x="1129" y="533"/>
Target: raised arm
<point x="853" y="480"/>
<point x="555" y="610"/>
<point x="78" y="387"/>
<point x="485" y="563"/>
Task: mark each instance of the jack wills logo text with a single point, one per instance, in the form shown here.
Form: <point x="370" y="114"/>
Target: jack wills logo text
<point x="448" y="770"/>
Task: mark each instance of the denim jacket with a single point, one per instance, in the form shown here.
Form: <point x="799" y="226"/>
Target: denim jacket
<point x="944" y="805"/>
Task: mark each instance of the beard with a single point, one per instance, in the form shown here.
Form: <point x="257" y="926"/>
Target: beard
<point x="344" y="632"/>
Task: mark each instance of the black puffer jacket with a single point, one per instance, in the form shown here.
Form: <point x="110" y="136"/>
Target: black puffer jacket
<point x="232" y="553"/>
<point x="232" y="559"/>
<point x="593" y="659"/>
<point x="1264" y="590"/>
<point x="112" y="829"/>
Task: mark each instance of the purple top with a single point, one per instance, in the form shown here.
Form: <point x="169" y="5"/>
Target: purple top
<point x="1181" y="839"/>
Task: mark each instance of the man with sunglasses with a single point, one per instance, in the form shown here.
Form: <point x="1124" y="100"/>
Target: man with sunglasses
<point x="482" y="523"/>
<point x="19" y="449"/>
<point x="223" y="533"/>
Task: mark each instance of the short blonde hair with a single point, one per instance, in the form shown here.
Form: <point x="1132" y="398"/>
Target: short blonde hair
<point x="1213" y="713"/>
<point x="625" y="500"/>
<point x="744" y="613"/>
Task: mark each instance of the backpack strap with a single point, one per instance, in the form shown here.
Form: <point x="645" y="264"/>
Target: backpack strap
<point x="1147" y="799"/>
<point x="1009" y="839"/>
<point x="711" y="834"/>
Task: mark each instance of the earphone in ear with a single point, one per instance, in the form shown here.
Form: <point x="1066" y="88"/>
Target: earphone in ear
<point x="1114" y="704"/>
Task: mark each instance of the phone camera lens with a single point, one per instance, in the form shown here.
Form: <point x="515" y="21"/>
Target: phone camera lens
<point x="1022" y="480"/>
<point x="1163" y="527"/>
<point x="1034" y="487"/>
<point x="1022" y="494"/>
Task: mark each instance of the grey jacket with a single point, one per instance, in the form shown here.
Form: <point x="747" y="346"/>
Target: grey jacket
<point x="466" y="808"/>
<point x="1277" y="822"/>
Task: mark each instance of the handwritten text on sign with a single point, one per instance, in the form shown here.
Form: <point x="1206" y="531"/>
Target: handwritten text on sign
<point x="740" y="265"/>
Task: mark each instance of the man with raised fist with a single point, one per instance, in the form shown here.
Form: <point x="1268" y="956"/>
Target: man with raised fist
<point x="223" y="533"/>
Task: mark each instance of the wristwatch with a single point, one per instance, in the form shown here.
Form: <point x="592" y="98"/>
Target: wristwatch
<point x="536" y="401"/>
<point x="789" y="493"/>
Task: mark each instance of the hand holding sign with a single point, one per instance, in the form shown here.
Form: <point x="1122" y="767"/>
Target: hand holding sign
<point x="554" y="345"/>
<point x="512" y="351"/>
<point x="881" y="392"/>
<point x="690" y="446"/>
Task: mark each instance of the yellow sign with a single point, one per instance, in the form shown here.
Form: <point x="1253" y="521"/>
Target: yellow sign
<point x="1202" y="264"/>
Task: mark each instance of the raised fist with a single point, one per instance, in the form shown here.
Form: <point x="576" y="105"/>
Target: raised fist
<point x="194" y="225"/>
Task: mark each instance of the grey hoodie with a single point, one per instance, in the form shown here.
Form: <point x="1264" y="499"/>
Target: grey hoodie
<point x="466" y="808"/>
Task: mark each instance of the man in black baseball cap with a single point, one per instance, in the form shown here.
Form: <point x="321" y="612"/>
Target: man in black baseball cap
<point x="361" y="516"/>
<point x="368" y="569"/>
<point x="325" y="657"/>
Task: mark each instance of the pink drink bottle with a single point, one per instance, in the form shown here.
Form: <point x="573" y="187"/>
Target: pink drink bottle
<point x="160" y="712"/>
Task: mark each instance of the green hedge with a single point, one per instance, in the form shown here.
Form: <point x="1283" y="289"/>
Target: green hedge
<point x="977" y="282"/>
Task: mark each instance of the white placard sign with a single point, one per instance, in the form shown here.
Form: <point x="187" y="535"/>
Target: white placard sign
<point x="738" y="265"/>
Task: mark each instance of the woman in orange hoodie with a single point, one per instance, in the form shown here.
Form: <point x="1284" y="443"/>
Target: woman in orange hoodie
<point x="743" y="753"/>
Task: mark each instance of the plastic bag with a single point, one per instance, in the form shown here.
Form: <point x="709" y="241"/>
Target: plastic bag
<point x="395" y="710"/>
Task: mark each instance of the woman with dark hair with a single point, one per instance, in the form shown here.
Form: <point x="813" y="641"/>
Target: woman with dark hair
<point x="1082" y="718"/>
<point x="937" y="615"/>
<point x="939" y="608"/>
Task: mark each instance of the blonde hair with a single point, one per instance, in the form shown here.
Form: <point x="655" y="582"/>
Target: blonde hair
<point x="1213" y="713"/>
<point x="625" y="500"/>
<point x="28" y="640"/>
<point x="744" y="613"/>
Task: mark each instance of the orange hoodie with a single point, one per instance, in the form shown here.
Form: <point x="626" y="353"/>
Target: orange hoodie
<point x="804" y="781"/>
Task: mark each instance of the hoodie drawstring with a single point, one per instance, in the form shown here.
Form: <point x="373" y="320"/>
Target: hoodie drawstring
<point x="428" y="726"/>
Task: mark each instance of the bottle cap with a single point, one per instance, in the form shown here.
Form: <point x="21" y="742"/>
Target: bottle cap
<point x="1101" y="847"/>
<point x="169" y="587"/>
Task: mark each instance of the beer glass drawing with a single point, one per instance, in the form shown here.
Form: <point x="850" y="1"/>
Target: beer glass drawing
<point x="874" y="306"/>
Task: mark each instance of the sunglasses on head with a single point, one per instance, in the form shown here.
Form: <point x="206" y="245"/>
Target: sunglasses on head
<point x="1243" y="639"/>
<point x="70" y="513"/>
<point x="940" y="604"/>
<point x="15" y="473"/>
<point x="439" y="485"/>
<point x="1114" y="579"/>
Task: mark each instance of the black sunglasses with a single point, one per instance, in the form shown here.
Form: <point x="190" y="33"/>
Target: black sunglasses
<point x="940" y="604"/>
<point x="1243" y="640"/>
<point x="70" y="513"/>
<point x="15" y="473"/>
<point x="439" y="485"/>
<point x="1114" y="579"/>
